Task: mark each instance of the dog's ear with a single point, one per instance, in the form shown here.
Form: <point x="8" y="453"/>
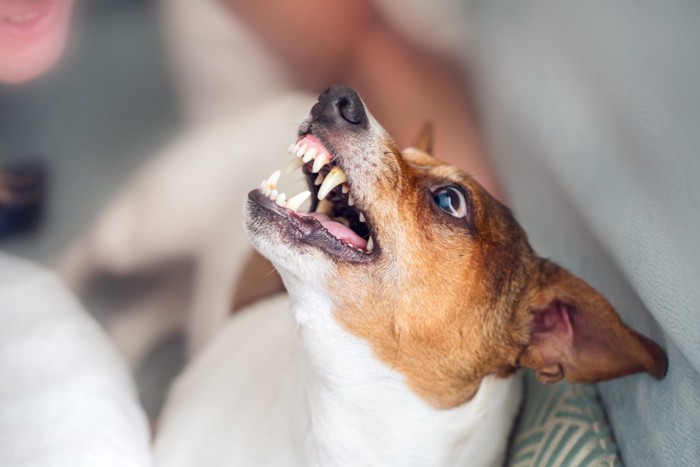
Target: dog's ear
<point x="576" y="334"/>
<point x="424" y="139"/>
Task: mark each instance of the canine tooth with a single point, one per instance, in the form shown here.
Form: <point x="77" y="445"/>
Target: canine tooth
<point x="370" y="245"/>
<point x="319" y="179"/>
<point x="301" y="150"/>
<point x="324" y="207"/>
<point x="345" y="188"/>
<point x="310" y="154"/>
<point x="274" y="194"/>
<point x="274" y="178"/>
<point x="294" y="166"/>
<point x="351" y="200"/>
<point x="321" y="160"/>
<point x="297" y="200"/>
<point x="362" y="218"/>
<point x="263" y="184"/>
<point x="334" y="178"/>
<point x="281" y="200"/>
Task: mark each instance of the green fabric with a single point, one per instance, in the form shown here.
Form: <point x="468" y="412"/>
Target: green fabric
<point x="562" y="425"/>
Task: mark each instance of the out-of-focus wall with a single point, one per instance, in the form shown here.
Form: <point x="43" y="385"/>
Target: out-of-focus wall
<point x="92" y="121"/>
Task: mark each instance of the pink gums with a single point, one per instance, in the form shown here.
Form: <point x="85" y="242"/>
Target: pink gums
<point x="310" y="141"/>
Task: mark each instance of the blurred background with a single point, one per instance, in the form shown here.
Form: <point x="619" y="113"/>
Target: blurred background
<point x="92" y="121"/>
<point x="136" y="151"/>
<point x="85" y="129"/>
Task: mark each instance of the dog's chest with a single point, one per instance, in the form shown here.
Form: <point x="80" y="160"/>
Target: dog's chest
<point x="257" y="396"/>
<point x="237" y="403"/>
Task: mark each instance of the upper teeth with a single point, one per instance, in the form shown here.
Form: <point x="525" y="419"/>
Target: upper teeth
<point x="321" y="160"/>
<point x="334" y="178"/>
<point x="294" y="166"/>
<point x="309" y="153"/>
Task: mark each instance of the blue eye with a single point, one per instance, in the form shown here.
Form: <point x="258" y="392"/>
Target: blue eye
<point x="451" y="200"/>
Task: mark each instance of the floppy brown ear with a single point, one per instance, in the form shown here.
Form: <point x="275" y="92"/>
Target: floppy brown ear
<point x="576" y="334"/>
<point x="424" y="139"/>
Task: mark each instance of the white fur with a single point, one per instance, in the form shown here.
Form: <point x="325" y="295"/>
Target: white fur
<point x="66" y="396"/>
<point x="284" y="384"/>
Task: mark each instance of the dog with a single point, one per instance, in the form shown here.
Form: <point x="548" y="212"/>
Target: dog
<point x="413" y="299"/>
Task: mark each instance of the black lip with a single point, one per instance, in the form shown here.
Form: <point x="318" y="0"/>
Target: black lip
<point x="307" y="230"/>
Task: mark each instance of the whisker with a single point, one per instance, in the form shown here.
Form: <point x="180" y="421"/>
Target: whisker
<point x="396" y="355"/>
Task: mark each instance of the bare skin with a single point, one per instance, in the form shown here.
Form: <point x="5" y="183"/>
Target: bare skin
<point x="32" y="37"/>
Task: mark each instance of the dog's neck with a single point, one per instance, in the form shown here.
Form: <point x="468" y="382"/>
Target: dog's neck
<point x="362" y="413"/>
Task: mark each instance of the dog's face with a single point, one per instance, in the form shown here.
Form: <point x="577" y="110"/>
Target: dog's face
<point x="421" y="262"/>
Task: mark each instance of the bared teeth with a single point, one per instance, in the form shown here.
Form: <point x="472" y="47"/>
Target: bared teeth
<point x="334" y="178"/>
<point x="294" y="166"/>
<point x="295" y="201"/>
<point x="274" y="178"/>
<point x="309" y="155"/>
<point x="321" y="160"/>
<point x="326" y="183"/>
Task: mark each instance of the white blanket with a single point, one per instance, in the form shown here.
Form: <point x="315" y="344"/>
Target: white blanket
<point x="66" y="398"/>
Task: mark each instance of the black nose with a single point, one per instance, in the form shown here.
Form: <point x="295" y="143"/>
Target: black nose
<point x="339" y="105"/>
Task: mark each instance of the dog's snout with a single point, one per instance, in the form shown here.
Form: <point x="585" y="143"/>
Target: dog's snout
<point x="340" y="105"/>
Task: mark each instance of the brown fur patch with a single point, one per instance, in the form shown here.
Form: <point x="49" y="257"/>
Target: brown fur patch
<point x="449" y="300"/>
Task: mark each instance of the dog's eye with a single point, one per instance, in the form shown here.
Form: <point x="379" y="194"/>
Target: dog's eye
<point x="451" y="200"/>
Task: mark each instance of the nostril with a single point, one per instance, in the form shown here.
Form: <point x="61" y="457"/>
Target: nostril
<point x="351" y="110"/>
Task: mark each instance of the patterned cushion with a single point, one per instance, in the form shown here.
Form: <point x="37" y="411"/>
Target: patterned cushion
<point x="561" y="425"/>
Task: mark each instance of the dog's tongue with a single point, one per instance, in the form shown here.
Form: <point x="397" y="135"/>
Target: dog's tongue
<point x="338" y="230"/>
